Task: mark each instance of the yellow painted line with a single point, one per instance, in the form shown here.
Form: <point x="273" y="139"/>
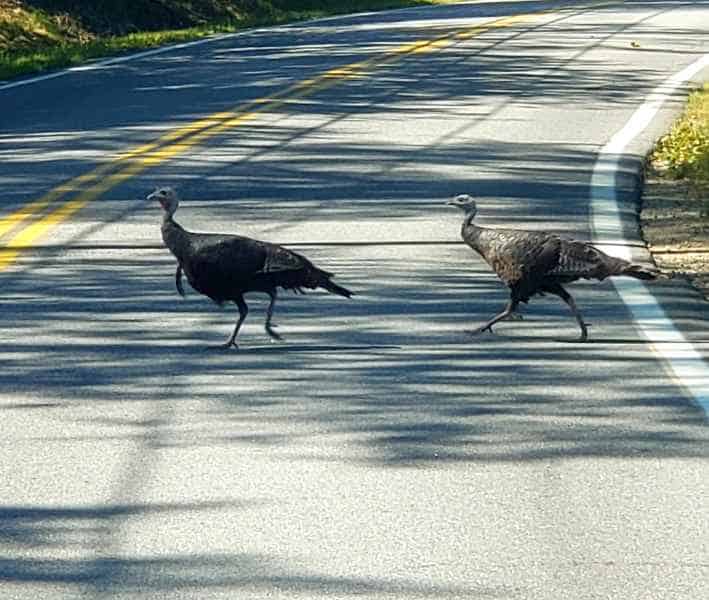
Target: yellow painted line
<point x="27" y="211"/>
<point x="196" y="131"/>
<point x="33" y="208"/>
<point x="25" y="238"/>
<point x="181" y="139"/>
<point x="507" y="22"/>
<point x="175" y="134"/>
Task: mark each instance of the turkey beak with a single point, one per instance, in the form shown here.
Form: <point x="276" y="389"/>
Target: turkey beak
<point x="154" y="196"/>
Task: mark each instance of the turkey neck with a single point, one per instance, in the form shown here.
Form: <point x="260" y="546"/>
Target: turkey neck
<point x="175" y="237"/>
<point x="470" y="232"/>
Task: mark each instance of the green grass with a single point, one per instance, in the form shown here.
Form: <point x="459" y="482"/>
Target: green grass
<point x="44" y="57"/>
<point x="684" y="152"/>
<point x="33" y="40"/>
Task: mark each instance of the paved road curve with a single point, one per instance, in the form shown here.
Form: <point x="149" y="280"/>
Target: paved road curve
<point x="379" y="452"/>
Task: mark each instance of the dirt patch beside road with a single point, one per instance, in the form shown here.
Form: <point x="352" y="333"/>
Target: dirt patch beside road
<point x="675" y="230"/>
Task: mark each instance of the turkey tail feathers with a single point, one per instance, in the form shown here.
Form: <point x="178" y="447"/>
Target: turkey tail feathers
<point x="640" y="272"/>
<point x="334" y="288"/>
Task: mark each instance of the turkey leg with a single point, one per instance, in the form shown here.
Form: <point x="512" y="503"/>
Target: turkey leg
<point x="509" y="309"/>
<point x="269" y="314"/>
<point x="243" y="311"/>
<point x="566" y="297"/>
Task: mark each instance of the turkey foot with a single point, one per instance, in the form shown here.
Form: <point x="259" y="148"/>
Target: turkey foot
<point x="274" y="335"/>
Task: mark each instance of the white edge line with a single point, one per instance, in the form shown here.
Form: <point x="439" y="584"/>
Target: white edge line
<point x="99" y="64"/>
<point x="112" y="61"/>
<point x="664" y="338"/>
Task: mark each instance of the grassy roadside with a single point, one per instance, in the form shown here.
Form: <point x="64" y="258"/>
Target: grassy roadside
<point x="675" y="212"/>
<point x="38" y="35"/>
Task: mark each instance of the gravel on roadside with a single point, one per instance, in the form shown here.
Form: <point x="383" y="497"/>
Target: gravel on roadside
<point x="673" y="226"/>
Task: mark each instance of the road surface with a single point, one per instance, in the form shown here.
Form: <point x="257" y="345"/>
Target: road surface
<point x="379" y="452"/>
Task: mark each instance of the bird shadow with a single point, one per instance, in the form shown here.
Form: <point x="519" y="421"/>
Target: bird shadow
<point x="285" y="347"/>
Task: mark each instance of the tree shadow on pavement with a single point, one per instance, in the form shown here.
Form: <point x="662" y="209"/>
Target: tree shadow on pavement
<point x="102" y="360"/>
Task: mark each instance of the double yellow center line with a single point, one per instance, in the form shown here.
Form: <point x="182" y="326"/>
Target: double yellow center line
<point x="29" y="223"/>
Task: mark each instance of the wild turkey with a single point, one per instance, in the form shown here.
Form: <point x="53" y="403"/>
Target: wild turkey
<point x="225" y="267"/>
<point x="531" y="262"/>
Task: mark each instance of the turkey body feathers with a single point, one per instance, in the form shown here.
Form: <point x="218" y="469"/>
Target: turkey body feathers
<point x="519" y="260"/>
<point x="532" y="262"/>
<point x="225" y="267"/>
<point x="529" y="261"/>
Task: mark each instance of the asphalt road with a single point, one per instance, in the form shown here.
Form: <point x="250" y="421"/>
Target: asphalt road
<point x="378" y="452"/>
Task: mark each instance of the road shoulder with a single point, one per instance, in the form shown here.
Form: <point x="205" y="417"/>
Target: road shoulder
<point x="676" y="234"/>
